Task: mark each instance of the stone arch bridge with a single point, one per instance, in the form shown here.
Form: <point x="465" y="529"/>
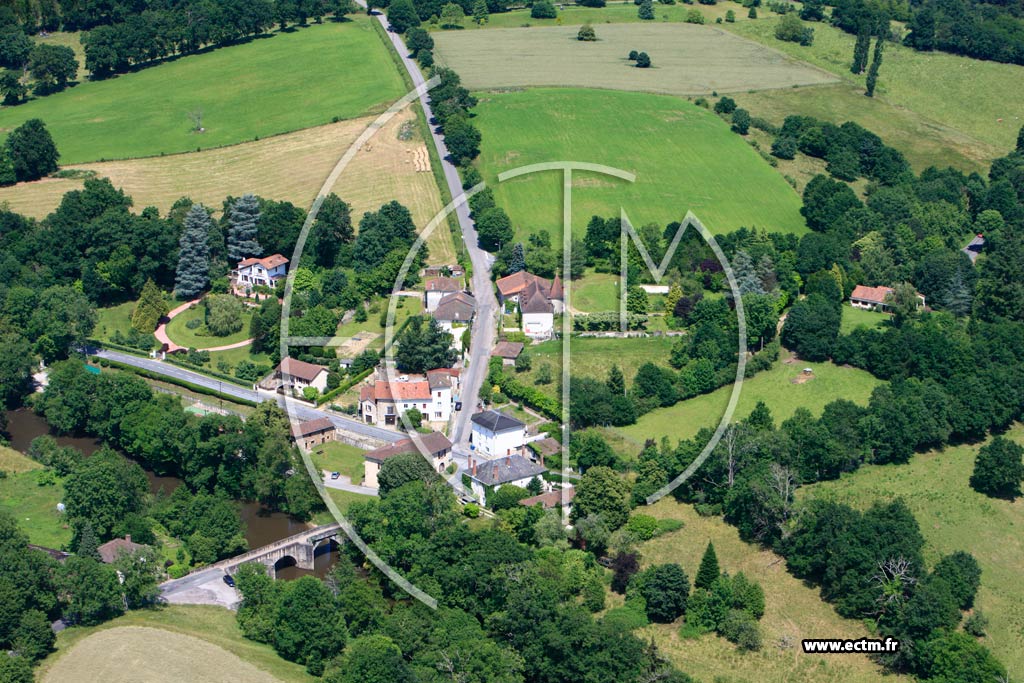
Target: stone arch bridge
<point x="299" y="550"/>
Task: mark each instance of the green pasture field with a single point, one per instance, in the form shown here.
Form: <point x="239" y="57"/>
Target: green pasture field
<point x="34" y="507"/>
<point x="684" y="157"/>
<point x="687" y="59"/>
<point x="953" y="516"/>
<point x="594" y="356"/>
<point x="981" y="100"/>
<point x="615" y="12"/>
<point x="272" y="85"/>
<point x="596" y="292"/>
<point x="774" y="386"/>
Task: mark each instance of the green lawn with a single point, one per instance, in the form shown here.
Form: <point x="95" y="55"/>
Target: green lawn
<point x="340" y="457"/>
<point x="342" y="499"/>
<point x="858" y="317"/>
<point x="596" y="292"/>
<point x="215" y="625"/>
<point x="268" y="86"/>
<point x="114" y="319"/>
<point x="684" y="158"/>
<point x="592" y="357"/>
<point x="35" y="508"/>
<point x="774" y="387"/>
<point x="980" y="99"/>
<point x="199" y="337"/>
<point x="955" y="517"/>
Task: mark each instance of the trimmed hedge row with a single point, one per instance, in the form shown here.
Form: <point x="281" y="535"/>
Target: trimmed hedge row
<point x="530" y="396"/>
<point x="344" y="386"/>
<point x="142" y="372"/>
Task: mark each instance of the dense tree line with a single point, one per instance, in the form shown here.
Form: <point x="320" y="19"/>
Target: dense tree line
<point x="992" y="31"/>
<point x="216" y="454"/>
<point x="35" y="590"/>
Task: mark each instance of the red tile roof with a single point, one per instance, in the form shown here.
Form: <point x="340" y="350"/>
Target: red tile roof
<point x="443" y="284"/>
<point x="110" y="550"/>
<point x="402" y="391"/>
<point x="513" y="284"/>
<point x="268" y="262"/>
<point x="551" y="499"/>
<point x="321" y="424"/>
<point x="874" y="294"/>
<point x="433" y="443"/>
<point x="300" y="369"/>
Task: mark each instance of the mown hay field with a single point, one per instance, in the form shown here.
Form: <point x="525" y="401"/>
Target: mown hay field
<point x="170" y="644"/>
<point x="687" y="59"/>
<point x="289" y="167"/>
<point x="276" y="84"/>
<point x="685" y="159"/>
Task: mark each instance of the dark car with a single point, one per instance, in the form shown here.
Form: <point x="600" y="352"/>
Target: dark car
<point x="229" y="580"/>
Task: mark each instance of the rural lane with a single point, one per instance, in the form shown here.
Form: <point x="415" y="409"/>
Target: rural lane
<point x="295" y="409"/>
<point x="484" y="321"/>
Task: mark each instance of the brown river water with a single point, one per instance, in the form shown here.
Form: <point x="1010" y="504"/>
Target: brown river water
<point x="261" y="525"/>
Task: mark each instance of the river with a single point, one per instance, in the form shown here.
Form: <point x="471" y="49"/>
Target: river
<point x="261" y="525"/>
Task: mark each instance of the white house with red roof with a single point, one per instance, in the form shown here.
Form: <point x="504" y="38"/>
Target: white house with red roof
<point x="297" y="375"/>
<point x="875" y="298"/>
<point x="266" y="271"/>
<point x="382" y="402"/>
<point x="436" y="289"/>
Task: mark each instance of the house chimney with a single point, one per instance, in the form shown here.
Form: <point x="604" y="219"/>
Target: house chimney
<point x="474" y="469"/>
<point x="508" y="460"/>
<point x="128" y="537"/>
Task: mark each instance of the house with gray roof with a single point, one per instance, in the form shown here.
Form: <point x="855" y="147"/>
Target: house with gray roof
<point x="496" y="434"/>
<point x="489" y="475"/>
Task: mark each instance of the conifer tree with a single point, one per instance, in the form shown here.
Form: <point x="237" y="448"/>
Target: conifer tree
<point x="709" y="571"/>
<point x="616" y="382"/>
<point x="860" y="49"/>
<point x="876" y="62"/>
<point x="243" y="226"/>
<point x="517" y="261"/>
<point x="150" y="308"/>
<point x="193" y="274"/>
<point x="88" y="543"/>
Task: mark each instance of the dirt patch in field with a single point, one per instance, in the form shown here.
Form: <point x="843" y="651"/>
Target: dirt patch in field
<point x="356" y="345"/>
<point x="135" y="653"/>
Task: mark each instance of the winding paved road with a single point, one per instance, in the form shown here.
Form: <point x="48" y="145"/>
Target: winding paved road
<point x="484" y="322"/>
<point x="296" y="409"/>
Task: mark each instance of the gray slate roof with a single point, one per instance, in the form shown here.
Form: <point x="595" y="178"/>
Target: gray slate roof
<point x="495" y="421"/>
<point x="504" y="470"/>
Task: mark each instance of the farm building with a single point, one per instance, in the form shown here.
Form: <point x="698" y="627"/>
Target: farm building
<point x="435" y="445"/>
<point x="312" y="433"/>
<point x="507" y="351"/>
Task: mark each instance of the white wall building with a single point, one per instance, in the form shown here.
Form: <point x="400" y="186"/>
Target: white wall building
<point x="496" y="434"/>
<point x="264" y="271"/>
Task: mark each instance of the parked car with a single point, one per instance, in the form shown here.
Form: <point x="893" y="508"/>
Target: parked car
<point x="335" y="475"/>
<point x="229" y="580"/>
